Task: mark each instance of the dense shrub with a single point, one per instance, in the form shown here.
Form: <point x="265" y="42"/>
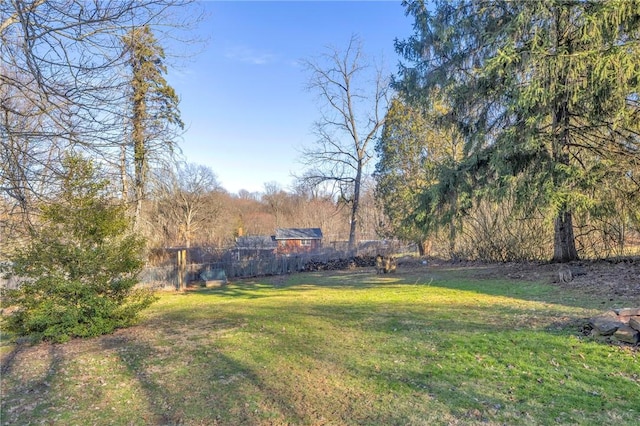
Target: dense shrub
<point x="80" y="267"/>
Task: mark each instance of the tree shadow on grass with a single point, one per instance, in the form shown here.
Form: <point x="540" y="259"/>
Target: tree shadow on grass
<point x="529" y="284"/>
<point x="204" y="387"/>
<point x="513" y="304"/>
<point x="8" y="360"/>
<point x="234" y="386"/>
<point x="268" y="288"/>
<point x="375" y="363"/>
<point x="27" y="393"/>
<point x="470" y="280"/>
<point x="380" y="361"/>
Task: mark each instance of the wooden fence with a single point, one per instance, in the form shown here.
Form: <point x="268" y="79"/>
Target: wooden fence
<point x="169" y="276"/>
<point x="181" y="273"/>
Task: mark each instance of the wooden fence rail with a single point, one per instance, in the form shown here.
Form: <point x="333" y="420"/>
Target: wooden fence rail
<point x="181" y="273"/>
<point x="169" y="277"/>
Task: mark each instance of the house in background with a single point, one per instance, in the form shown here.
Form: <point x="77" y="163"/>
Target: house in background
<point x="297" y="240"/>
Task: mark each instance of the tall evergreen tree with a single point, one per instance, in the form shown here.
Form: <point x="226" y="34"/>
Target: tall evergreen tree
<point x="62" y="86"/>
<point x="546" y="89"/>
<point x="412" y="150"/>
<point x="154" y="106"/>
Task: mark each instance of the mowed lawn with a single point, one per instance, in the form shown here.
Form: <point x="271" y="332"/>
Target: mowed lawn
<point x="427" y="346"/>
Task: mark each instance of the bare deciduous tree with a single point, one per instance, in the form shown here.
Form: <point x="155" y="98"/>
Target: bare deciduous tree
<point x="353" y="96"/>
<point x="184" y="203"/>
<point x="63" y="85"/>
<point x="277" y="200"/>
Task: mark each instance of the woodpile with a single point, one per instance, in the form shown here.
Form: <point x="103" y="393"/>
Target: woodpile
<point x="340" y="264"/>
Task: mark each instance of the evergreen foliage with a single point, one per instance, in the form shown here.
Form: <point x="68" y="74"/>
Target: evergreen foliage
<point x="546" y="96"/>
<point x="412" y="152"/>
<point x="80" y="267"/>
<point x="154" y="105"/>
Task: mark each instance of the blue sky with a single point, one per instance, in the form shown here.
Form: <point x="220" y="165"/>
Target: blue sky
<point x="243" y="99"/>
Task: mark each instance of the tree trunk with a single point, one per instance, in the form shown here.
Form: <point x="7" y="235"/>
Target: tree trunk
<point x="139" y="154"/>
<point x="424" y="247"/>
<point x="452" y="225"/>
<point x="123" y="173"/>
<point x="564" y="246"/>
<point x="139" y="182"/>
<point x="354" y="210"/>
<point x="452" y="241"/>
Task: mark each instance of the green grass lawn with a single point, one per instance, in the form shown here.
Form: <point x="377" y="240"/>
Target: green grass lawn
<point x="426" y="347"/>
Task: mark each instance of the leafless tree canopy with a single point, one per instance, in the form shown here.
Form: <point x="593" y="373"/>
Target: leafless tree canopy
<point x="63" y="83"/>
<point x="187" y="202"/>
<point x="353" y="95"/>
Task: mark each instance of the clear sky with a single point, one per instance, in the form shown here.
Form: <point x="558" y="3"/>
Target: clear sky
<point x="243" y="99"/>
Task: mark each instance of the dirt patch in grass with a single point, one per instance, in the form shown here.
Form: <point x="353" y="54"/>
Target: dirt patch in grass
<point x="604" y="280"/>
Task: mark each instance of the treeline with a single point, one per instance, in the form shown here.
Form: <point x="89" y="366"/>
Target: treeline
<point x="89" y="83"/>
<point x="86" y="115"/>
<point x="185" y="206"/>
<point x="192" y="209"/>
<point x="515" y="132"/>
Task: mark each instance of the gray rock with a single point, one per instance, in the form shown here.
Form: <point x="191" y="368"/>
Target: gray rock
<point x="627" y="334"/>
<point x="605" y="326"/>
<point x="214" y="275"/>
<point x="635" y="323"/>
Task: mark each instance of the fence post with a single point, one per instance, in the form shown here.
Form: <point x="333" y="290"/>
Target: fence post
<point x="182" y="267"/>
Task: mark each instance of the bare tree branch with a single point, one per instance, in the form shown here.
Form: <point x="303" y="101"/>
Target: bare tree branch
<point x="351" y="117"/>
<point x="63" y="84"/>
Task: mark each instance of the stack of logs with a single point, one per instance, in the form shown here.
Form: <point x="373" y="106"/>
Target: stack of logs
<point x="340" y="264"/>
<point x="621" y="325"/>
<point x="383" y="264"/>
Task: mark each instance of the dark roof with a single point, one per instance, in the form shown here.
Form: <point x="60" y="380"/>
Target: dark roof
<point x="256" y="242"/>
<point x="298" y="234"/>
